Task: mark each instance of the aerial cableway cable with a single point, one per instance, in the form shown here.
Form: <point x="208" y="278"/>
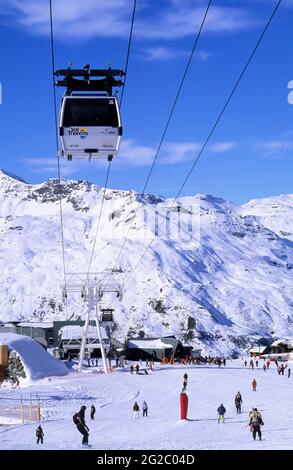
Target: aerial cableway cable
<point x="56" y="136"/>
<point x="211" y="132"/>
<point x="198" y="34"/>
<point x="128" y="51"/>
<point x="99" y="219"/>
<point x="110" y="161"/>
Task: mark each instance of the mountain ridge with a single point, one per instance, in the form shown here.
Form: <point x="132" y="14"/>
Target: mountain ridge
<point x="225" y="284"/>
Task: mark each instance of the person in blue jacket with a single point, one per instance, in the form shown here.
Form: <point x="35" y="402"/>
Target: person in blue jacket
<point x="221" y="413"/>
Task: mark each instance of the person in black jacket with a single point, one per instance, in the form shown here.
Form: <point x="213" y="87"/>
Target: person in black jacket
<point x="40" y="435"/>
<point x="136" y="410"/>
<point x="238" y="402"/>
<point x="93" y="411"/>
<point x="81" y="425"/>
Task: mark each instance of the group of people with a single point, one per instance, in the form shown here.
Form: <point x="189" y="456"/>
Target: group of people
<point x="136" y="409"/>
<point x="136" y="368"/>
<point x="255" y="418"/>
<point x="81" y="426"/>
<point x="255" y="363"/>
<point x="203" y="360"/>
<point x="148" y="365"/>
<point x="79" y="421"/>
<point x="281" y="369"/>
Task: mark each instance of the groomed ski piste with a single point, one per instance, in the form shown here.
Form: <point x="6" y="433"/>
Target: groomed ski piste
<point x="114" y="394"/>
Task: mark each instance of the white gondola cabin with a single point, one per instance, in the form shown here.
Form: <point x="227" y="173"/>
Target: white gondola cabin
<point x="90" y="126"/>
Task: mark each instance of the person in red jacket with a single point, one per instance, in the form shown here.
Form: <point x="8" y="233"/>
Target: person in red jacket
<point x="253" y="383"/>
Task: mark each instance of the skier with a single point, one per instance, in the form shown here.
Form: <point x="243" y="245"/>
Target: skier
<point x="251" y="364"/>
<point x="144" y="408"/>
<point x="40" y="435"/>
<point x="79" y="421"/>
<point x="255" y="422"/>
<point x="224" y="361"/>
<point x="256" y="363"/>
<point x="245" y="363"/>
<point x="136" y="410"/>
<point x="93" y="411"/>
<point x="289" y="372"/>
<point x="264" y="367"/>
<point x="137" y="368"/>
<point x="221" y="413"/>
<point x="254" y="383"/>
<point x="282" y="369"/>
<point x="185" y="378"/>
<point x="131" y="369"/>
<point x="238" y="401"/>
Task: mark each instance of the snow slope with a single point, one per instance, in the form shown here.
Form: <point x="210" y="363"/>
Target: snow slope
<point x="114" y="396"/>
<point x="225" y="282"/>
<point x="36" y="361"/>
<point x="276" y="213"/>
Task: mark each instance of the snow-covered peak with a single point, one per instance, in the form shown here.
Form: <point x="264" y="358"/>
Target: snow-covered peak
<point x="274" y="212"/>
<point x="229" y="278"/>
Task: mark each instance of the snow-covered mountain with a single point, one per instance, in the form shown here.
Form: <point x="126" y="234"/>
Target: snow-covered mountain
<point x="227" y="280"/>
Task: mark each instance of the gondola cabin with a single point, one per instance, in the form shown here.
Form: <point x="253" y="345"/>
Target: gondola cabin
<point x="90" y="126"/>
<point x="107" y="315"/>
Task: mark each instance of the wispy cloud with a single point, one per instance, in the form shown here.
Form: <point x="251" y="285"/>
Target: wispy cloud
<point x="183" y="19"/>
<point x="131" y="154"/>
<point x="178" y="152"/>
<point x="274" y="148"/>
<point x="90" y="18"/>
<point x="162" y="53"/>
<point x="72" y="18"/>
<point x="48" y="166"/>
<point x="135" y="154"/>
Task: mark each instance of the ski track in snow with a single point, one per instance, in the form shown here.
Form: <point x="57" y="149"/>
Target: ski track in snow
<point x="114" y="395"/>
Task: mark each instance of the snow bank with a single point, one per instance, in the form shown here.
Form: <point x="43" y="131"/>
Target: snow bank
<point x="36" y="361"/>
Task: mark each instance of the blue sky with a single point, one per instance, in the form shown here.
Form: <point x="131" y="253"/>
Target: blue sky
<point x="250" y="154"/>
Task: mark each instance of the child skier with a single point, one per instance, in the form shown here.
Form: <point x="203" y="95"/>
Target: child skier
<point x="221" y="413"/>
